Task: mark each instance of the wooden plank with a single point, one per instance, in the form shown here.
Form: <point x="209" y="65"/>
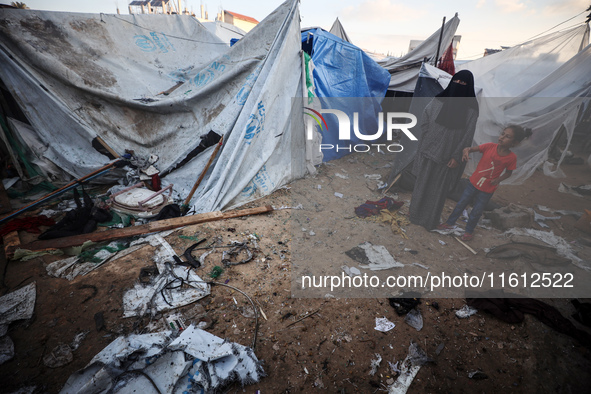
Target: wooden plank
<point x="152" y="227"/>
<point x="466" y="245"/>
<point x="107" y="147"/>
<point x="11" y="243"/>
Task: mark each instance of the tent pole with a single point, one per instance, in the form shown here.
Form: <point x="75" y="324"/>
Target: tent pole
<point x="61" y="190"/>
<point x="198" y="182"/>
<point x="439" y="43"/>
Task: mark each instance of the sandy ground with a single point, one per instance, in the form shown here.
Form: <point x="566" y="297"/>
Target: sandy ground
<point x="331" y="349"/>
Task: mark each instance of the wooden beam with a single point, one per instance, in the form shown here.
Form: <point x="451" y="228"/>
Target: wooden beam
<point x="466" y="245"/>
<point x="152" y="227"/>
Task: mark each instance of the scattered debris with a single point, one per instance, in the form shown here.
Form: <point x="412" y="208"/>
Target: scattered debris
<point x="216" y="272"/>
<point x="375" y="364"/>
<point x="351" y="271"/>
<point x="383" y="324"/>
<point x="339" y="195"/>
<point x="17" y="305"/>
<point x="540" y="219"/>
<point x="405" y="303"/>
<point x="420" y="265"/>
<point x="373" y="257"/>
<point x="411" y="365"/>
<point x="465" y="312"/>
<point x="373" y="208"/>
<point x="175" y="286"/>
<point x="440" y="348"/>
<point x="511" y="216"/>
<point x="579" y="191"/>
<point x="477" y="375"/>
<point x="305" y="317"/>
<point x="61" y="355"/>
<point x="414" y="319"/>
<point x="195" y="360"/>
<point x="563" y="248"/>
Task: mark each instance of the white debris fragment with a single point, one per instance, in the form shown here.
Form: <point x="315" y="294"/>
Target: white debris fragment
<point x="466" y="312"/>
<point x="383" y="324"/>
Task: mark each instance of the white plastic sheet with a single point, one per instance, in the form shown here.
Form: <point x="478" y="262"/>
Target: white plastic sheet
<point x="195" y="361"/>
<point x="540" y="84"/>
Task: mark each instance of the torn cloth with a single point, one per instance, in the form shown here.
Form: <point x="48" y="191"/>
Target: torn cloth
<point x="30" y="224"/>
<point x="373" y="208"/>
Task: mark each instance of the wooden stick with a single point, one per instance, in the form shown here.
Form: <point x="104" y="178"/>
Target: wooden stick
<point x="169" y="91"/>
<point x="466" y="246"/>
<point x="107" y="147"/>
<point x="196" y="185"/>
<point x="393" y="182"/>
<point x="305" y="317"/>
<point x="157" y="226"/>
<point x="23" y="209"/>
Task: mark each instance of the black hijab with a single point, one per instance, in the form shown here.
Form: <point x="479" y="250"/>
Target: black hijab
<point x="457" y="98"/>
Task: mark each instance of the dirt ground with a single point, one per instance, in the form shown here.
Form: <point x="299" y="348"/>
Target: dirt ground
<point x="331" y="348"/>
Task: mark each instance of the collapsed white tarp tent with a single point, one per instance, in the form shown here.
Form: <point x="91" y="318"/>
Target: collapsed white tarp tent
<point x="79" y="76"/>
<point x="541" y="84"/>
<point x="405" y="70"/>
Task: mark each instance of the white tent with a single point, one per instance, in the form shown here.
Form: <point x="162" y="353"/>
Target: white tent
<point x="540" y="84"/>
<point x="405" y="70"/>
<point x="79" y="76"/>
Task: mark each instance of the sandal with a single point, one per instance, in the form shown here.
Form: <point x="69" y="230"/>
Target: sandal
<point x="444" y="226"/>
<point x="466" y="237"/>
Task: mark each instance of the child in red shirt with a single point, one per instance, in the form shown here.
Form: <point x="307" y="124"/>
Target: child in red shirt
<point x="496" y="165"/>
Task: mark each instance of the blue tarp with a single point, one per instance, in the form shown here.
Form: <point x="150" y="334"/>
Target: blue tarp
<point x="344" y="78"/>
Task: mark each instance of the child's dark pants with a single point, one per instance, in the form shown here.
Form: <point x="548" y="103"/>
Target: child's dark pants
<point x="480" y="200"/>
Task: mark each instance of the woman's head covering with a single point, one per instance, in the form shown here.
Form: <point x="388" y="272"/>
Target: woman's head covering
<point x="457" y="98"/>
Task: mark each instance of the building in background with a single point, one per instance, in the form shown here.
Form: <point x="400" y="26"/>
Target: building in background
<point x="244" y="22"/>
<point x="156" y="7"/>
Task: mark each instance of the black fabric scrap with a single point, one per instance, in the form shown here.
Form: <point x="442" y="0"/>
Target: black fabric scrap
<point x="533" y="253"/>
<point x="407" y="302"/>
<point x="82" y="220"/>
<point x="511" y="310"/>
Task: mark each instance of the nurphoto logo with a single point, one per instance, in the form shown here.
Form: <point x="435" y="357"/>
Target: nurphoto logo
<point x="394" y="121"/>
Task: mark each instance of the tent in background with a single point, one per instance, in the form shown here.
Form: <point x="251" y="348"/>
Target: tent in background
<point x="405" y="70"/>
<point x="346" y="79"/>
<point x="106" y="76"/>
<point x="540" y="84"/>
<point x="543" y="84"/>
<point x="338" y="30"/>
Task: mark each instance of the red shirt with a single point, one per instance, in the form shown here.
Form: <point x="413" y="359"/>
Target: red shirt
<point x="491" y="166"/>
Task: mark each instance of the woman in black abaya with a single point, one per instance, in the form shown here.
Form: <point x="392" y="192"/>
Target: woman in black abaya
<point x="448" y="126"/>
